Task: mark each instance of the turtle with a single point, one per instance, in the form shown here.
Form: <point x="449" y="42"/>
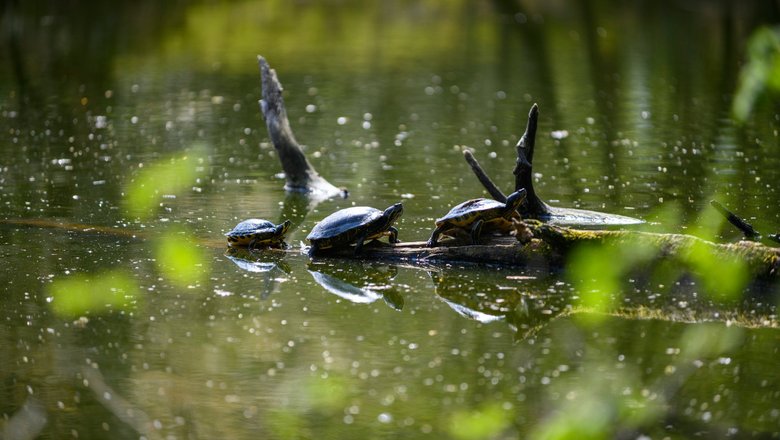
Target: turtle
<point x="474" y="215"/>
<point x="257" y="232"/>
<point x="354" y="225"/>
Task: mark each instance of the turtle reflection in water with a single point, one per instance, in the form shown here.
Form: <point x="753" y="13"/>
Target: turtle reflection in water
<point x="252" y="262"/>
<point x="271" y="269"/>
<point x="354" y="225"/>
<point x="493" y="296"/>
<point x="474" y="216"/>
<point x="357" y="283"/>
<point x="257" y="232"/>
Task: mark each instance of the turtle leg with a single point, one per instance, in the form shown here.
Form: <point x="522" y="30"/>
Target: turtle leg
<point x="251" y="244"/>
<point x="393" y="235"/>
<point x="476" y="229"/>
<point x="433" y="241"/>
<point x="359" y="243"/>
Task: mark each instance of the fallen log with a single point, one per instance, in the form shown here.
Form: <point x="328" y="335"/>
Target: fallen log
<point x="551" y="246"/>
<point x="495" y="250"/>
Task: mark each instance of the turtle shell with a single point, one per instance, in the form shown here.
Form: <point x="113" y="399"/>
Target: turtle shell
<point x="471" y="210"/>
<point x="257" y="230"/>
<point x="344" y="223"/>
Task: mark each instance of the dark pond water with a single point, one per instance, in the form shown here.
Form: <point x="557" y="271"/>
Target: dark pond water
<point x="121" y="322"/>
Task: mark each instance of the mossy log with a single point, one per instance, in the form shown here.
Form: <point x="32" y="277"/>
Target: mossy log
<point x="551" y="246"/>
<point x="495" y="250"/>
<point x="761" y="261"/>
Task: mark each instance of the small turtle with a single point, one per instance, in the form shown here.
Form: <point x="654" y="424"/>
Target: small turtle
<point x="354" y="225"/>
<point x="258" y="232"/>
<point x="474" y="215"/>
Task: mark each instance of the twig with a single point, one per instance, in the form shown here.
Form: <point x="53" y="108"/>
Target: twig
<point x="483" y="178"/>
<point x="739" y="223"/>
<point x="747" y="229"/>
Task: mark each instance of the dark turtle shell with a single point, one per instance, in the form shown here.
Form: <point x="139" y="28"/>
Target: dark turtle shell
<point x="471" y="210"/>
<point x="344" y="225"/>
<point x="256" y="232"/>
<point x="356" y="225"/>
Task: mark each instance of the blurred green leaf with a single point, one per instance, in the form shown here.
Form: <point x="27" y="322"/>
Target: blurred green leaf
<point x="708" y="223"/>
<point x="599" y="271"/>
<point x="587" y="420"/>
<point x="596" y="277"/>
<point x="722" y="276"/>
<point x="326" y="394"/>
<point x="180" y="259"/>
<point x="760" y="75"/>
<point x="486" y="422"/>
<point x="601" y="407"/>
<point x="709" y="339"/>
<point x="90" y="294"/>
<point x="169" y="176"/>
<point x="286" y="424"/>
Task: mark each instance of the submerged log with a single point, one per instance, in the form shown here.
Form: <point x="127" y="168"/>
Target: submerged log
<point x="300" y="175"/>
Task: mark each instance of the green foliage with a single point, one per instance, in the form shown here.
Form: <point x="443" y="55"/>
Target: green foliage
<point x="599" y="408"/>
<point x="177" y="255"/>
<point x="286" y="423"/>
<point x="599" y="271"/>
<point x="483" y="423"/>
<point x="723" y="277"/>
<point x="89" y="294"/>
<point x="164" y="177"/>
<point x="318" y="399"/>
<point x="709" y="340"/>
<point x="326" y="395"/>
<point x="760" y="76"/>
<point x="180" y="259"/>
<point x="591" y="420"/>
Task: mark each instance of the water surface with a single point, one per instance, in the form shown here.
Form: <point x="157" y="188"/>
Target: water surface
<point x="634" y="119"/>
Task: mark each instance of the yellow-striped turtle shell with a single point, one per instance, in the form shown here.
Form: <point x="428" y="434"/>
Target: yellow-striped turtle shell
<point x="257" y="232"/>
<point x="473" y="214"/>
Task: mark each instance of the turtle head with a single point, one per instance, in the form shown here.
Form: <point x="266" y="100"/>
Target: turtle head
<point x="281" y="230"/>
<point x="393" y="213"/>
<point x="515" y="199"/>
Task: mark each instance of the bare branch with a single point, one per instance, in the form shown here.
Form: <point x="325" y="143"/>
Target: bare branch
<point x="484" y="179"/>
